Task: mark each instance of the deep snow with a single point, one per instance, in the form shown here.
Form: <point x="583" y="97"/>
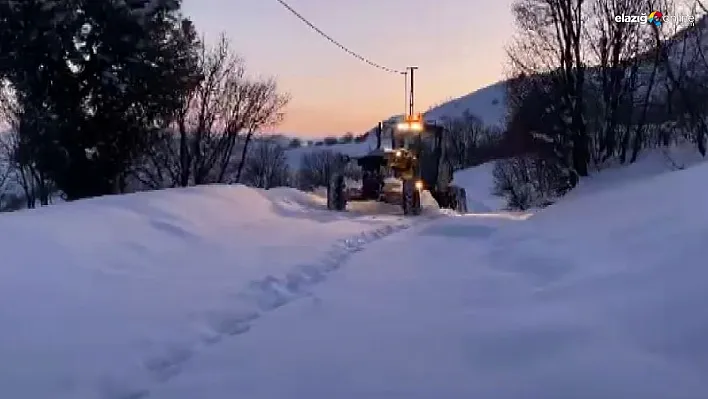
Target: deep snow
<point x="100" y="298"/>
<point x="220" y="291"/>
<point x="600" y="296"/>
<point x="479" y="186"/>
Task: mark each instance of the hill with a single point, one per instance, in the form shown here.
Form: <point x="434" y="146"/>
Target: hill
<point x="487" y="103"/>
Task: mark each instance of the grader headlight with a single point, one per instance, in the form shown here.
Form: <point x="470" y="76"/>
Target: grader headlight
<point x="419" y="185"/>
<point x="411" y="123"/>
<point x="416" y="127"/>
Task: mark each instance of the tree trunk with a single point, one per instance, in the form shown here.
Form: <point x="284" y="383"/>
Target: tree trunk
<point x="244" y="153"/>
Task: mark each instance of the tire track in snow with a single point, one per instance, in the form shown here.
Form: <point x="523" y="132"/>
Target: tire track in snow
<point x="261" y="297"/>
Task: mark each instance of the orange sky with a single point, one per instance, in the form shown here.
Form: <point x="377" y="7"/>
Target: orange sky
<point x="458" y="45"/>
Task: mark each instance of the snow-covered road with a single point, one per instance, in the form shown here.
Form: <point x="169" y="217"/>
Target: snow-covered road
<point x="105" y="298"/>
<point x="223" y="292"/>
<point x="394" y="323"/>
<point x="493" y="306"/>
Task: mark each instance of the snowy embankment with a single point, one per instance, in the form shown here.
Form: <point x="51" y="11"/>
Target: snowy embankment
<point x="602" y="295"/>
<point x="98" y="298"/>
<point x="650" y="163"/>
<point x="478" y="183"/>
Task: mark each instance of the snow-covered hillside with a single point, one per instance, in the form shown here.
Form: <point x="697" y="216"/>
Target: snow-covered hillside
<point x="488" y="104"/>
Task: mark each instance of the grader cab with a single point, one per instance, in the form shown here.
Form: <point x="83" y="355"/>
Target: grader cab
<point x="414" y="162"/>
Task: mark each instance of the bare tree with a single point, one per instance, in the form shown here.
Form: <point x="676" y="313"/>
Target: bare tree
<point x="547" y="136"/>
<point x="18" y="156"/>
<point x="685" y="65"/>
<point x="318" y="167"/>
<point x="5" y="148"/>
<point x="5" y="162"/>
<point x="617" y="51"/>
<point x="224" y="108"/>
<point x="266" y="165"/>
<point x="464" y="138"/>
<point x="330" y="141"/>
<point x="550" y="44"/>
<point x="347" y="138"/>
<point x="587" y="89"/>
<point x="527" y="181"/>
<point x="295" y="143"/>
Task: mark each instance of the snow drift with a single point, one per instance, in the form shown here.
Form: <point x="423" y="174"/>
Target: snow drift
<point x="599" y="296"/>
<point x="102" y="292"/>
<point x="478" y="183"/>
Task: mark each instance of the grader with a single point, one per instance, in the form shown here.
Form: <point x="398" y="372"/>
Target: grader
<point x="415" y="162"/>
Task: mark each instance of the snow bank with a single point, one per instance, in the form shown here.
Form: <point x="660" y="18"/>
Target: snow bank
<point x="600" y="296"/>
<point x="478" y="183"/>
<point x="650" y="163"/>
<point x="617" y="292"/>
<point x="99" y="293"/>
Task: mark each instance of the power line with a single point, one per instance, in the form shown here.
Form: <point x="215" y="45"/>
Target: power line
<point x="336" y="43"/>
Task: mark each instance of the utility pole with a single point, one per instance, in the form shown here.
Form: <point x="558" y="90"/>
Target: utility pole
<point x="405" y="94"/>
<point x="379" y="131"/>
<point x="410" y="105"/>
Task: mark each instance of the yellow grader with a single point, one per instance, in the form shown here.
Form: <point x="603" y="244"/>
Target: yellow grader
<point x="415" y="162"/>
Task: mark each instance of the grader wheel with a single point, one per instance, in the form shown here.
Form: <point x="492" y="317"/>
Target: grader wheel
<point x="336" y="194"/>
<point x="411" y="198"/>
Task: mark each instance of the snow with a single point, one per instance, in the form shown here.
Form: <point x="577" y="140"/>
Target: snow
<point x="100" y="297"/>
<point x="488" y="104"/>
<point x="600" y="296"/>
<point x="224" y="291"/>
<point x="294" y="155"/>
<point x="478" y="183"/>
<point x="651" y="162"/>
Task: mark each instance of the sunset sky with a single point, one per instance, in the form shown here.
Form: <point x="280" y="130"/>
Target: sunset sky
<point x="457" y="44"/>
